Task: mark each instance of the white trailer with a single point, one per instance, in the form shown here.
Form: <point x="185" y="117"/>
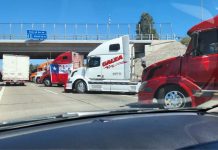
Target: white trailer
<point x="109" y="68"/>
<point x="15" y="69"/>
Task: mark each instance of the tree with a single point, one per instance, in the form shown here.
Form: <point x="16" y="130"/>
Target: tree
<point x="185" y="40"/>
<point x="33" y="68"/>
<point x="146" y="26"/>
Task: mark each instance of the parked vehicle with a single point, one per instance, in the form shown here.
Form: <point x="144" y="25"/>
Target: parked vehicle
<point x="15" y="69"/>
<point x="32" y="75"/>
<point x="0" y="76"/>
<point x="36" y="74"/>
<point x="191" y="79"/>
<point x="60" y="67"/>
<point x="109" y="68"/>
<point x="40" y="70"/>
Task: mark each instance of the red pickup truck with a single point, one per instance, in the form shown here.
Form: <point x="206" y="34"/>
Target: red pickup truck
<point x="187" y="80"/>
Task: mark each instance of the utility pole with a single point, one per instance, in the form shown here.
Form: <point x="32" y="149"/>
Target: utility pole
<point x="202" y="10"/>
<point x="109" y="22"/>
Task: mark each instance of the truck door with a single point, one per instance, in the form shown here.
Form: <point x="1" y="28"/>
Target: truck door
<point x="202" y="63"/>
<point x="93" y="71"/>
<point x="113" y="63"/>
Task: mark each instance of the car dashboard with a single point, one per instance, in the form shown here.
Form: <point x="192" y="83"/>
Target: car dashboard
<point x="134" y="131"/>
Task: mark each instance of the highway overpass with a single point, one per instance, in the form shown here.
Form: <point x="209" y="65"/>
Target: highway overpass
<point x="51" y="48"/>
<point x="82" y="38"/>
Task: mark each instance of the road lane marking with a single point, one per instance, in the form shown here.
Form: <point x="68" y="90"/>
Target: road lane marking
<point x="50" y="91"/>
<point x="129" y="96"/>
<point x="1" y="92"/>
<point x="32" y="84"/>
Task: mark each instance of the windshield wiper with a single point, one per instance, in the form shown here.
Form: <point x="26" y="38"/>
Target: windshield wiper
<point x="209" y="108"/>
<point x="49" y="119"/>
<point x="4" y="126"/>
<point x="8" y="125"/>
<point x="157" y="110"/>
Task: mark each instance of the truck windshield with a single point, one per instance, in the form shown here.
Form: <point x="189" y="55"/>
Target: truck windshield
<point x="207" y="43"/>
<point x="94" y="62"/>
<point x="60" y="56"/>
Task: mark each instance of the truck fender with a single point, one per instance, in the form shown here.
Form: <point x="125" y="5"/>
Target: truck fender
<point x="188" y="86"/>
<point x="83" y="81"/>
<point x="44" y="77"/>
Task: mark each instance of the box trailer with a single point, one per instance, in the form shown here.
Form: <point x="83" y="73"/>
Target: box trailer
<point x="15" y="69"/>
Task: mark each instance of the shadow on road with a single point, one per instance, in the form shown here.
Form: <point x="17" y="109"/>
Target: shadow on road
<point x="3" y="84"/>
<point x="13" y="85"/>
<point x="53" y="86"/>
<point x="138" y="105"/>
<point x="100" y="92"/>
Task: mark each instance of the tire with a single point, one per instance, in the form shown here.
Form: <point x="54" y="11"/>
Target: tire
<point x="34" y="80"/>
<point x="131" y="93"/>
<point x="80" y="87"/>
<point x="60" y="85"/>
<point x="22" y="84"/>
<point x="37" y="80"/>
<point x="67" y="90"/>
<point x="172" y="96"/>
<point x="47" y="82"/>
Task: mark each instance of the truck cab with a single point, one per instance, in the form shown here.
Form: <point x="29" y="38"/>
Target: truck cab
<point x="57" y="72"/>
<point x="187" y="80"/>
<point x="109" y="68"/>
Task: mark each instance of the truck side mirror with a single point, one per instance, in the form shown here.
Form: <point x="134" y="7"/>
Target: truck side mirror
<point x="195" y="41"/>
<point x="85" y="62"/>
<point x="143" y="64"/>
<point x="193" y="45"/>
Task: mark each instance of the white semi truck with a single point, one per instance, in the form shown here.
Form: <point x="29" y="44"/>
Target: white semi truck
<point x="15" y="69"/>
<point x="110" y="67"/>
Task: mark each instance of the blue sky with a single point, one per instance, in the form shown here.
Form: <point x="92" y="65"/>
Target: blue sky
<point x="178" y="12"/>
<point x="181" y="13"/>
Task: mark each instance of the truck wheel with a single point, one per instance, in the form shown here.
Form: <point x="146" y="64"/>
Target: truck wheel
<point x="38" y="80"/>
<point x="173" y="97"/>
<point x="67" y="90"/>
<point x="80" y="86"/>
<point x="60" y="85"/>
<point x="47" y="82"/>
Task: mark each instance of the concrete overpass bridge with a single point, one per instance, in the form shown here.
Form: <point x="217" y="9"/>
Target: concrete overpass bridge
<point x="81" y="38"/>
<point x="51" y="48"/>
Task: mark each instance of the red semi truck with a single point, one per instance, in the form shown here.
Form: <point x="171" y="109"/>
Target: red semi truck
<point x="59" y="69"/>
<point x="187" y="80"/>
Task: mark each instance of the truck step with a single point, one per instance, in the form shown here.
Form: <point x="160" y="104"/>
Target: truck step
<point x="206" y="93"/>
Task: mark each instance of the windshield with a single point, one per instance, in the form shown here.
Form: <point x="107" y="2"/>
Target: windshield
<point x="64" y="56"/>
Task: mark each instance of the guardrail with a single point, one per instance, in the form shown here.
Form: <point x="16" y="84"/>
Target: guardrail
<point x="90" y="37"/>
<point x="63" y="31"/>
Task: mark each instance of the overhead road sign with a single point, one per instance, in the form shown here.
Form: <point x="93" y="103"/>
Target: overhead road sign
<point x="36" y="35"/>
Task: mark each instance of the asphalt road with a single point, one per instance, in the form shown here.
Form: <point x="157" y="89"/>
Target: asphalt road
<point x="32" y="100"/>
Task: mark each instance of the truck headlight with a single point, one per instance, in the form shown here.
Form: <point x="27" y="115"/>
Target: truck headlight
<point x="142" y="86"/>
<point x="145" y="88"/>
